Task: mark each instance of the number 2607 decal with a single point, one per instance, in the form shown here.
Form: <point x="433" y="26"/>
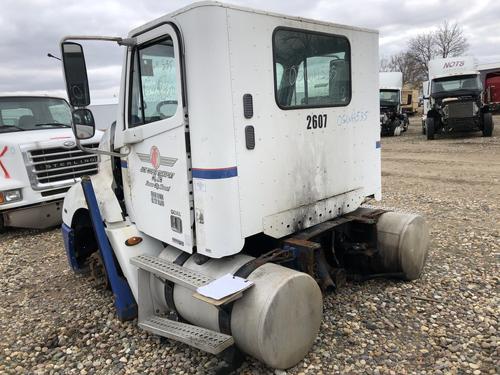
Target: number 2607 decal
<point x="316" y="121"/>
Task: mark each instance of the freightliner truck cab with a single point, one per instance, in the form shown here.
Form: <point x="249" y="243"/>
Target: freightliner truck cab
<point x="245" y="145"/>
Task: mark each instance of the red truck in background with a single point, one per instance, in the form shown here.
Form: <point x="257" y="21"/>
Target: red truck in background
<point x="490" y="75"/>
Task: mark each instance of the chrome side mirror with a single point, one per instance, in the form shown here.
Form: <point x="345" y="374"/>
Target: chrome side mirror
<point x="83" y="124"/>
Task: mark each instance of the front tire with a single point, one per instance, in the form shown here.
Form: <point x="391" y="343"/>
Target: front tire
<point x="430" y="128"/>
<point x="406" y="124"/>
<point x="423" y="127"/>
<point x="487" y="125"/>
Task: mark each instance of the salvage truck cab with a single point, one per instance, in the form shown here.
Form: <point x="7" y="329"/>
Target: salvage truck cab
<point x="39" y="160"/>
<point x="456" y="98"/>
<point x="392" y="119"/>
<point x="245" y="144"/>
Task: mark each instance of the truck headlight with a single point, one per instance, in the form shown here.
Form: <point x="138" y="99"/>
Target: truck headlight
<point x="10" y="196"/>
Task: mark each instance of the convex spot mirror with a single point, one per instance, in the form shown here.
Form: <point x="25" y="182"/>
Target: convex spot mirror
<point x="75" y="72"/>
<point x="83" y="124"/>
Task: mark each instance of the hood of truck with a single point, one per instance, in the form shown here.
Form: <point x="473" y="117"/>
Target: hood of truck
<point x="43" y="137"/>
<point x="13" y="173"/>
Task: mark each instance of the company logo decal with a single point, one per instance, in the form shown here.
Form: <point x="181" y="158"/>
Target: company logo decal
<point x="154" y="157"/>
<point x="157" y="178"/>
<point x="69" y="144"/>
<point x="164" y="160"/>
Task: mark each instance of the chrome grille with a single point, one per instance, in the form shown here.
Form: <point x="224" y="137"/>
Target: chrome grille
<point x="56" y="167"/>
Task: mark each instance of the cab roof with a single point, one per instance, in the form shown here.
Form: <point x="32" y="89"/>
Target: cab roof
<point x="202" y="4"/>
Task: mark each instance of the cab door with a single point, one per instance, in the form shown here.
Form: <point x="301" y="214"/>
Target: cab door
<point x="159" y="174"/>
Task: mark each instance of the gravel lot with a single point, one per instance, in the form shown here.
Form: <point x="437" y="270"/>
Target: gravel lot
<point x="52" y="321"/>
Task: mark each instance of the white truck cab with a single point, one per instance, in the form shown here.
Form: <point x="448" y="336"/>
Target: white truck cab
<point x="425" y="103"/>
<point x="392" y="120"/>
<point x="456" y="98"/>
<point x="245" y="144"/>
<point x="39" y="160"/>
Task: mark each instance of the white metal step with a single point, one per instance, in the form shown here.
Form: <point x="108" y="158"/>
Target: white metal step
<point x="198" y="337"/>
<point x="171" y="271"/>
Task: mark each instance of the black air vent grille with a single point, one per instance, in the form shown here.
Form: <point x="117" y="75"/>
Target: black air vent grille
<point x="248" y="106"/>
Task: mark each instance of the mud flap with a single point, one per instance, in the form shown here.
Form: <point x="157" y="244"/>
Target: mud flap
<point x="125" y="304"/>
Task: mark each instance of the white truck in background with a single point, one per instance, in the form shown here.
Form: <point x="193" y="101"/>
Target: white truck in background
<point x="39" y="160"/>
<point x="425" y="103"/>
<point x="392" y="119"/>
<point x="104" y="112"/>
<point x="244" y="146"/>
<point x="456" y="98"/>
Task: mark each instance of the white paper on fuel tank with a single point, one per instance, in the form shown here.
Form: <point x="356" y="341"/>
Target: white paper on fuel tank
<point x="224" y="286"/>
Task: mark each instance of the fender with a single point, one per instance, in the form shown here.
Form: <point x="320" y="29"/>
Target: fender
<point x="78" y="235"/>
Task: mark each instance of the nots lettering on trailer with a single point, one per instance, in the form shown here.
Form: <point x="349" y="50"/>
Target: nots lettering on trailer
<point x="453" y="64"/>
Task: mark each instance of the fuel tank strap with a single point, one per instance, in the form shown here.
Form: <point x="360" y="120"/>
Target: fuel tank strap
<point x="169" y="285"/>
<point x="226" y="310"/>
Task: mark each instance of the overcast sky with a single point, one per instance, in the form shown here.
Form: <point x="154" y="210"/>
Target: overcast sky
<point x="32" y="28"/>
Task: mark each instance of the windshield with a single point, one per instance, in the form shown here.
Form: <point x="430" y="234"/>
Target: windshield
<point x="389" y="97"/>
<point x="456" y="83"/>
<point x="33" y="113"/>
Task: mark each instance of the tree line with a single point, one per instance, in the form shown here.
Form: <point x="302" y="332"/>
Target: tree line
<point x="447" y="41"/>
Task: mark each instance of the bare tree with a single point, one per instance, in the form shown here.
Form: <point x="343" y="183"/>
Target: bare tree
<point x="450" y="40"/>
<point x="406" y="63"/>
<point x="422" y="48"/>
<point x="385" y="64"/>
<point x="447" y="41"/>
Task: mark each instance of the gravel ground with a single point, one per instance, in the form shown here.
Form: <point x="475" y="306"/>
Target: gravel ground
<point x="53" y="321"/>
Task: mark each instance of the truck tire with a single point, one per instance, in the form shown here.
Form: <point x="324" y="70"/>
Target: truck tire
<point x="406" y="124"/>
<point x="429" y="128"/>
<point x="487" y="125"/>
<point x="2" y="225"/>
<point x="397" y="131"/>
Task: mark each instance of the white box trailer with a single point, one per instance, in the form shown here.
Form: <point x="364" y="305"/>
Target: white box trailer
<point x="456" y="98"/>
<point x="392" y="120"/>
<point x="246" y="143"/>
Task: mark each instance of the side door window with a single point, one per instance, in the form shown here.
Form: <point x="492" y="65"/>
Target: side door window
<point x="154" y="90"/>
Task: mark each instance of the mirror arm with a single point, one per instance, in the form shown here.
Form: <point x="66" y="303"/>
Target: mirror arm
<point x="129" y="42"/>
<point x="100" y="152"/>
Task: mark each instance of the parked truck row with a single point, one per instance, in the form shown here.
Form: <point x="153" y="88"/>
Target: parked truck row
<point x="458" y="97"/>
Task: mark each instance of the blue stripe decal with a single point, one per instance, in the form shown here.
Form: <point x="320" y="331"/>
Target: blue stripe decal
<point x="215" y="174"/>
<point x="377" y="144"/>
<point x="124" y="164"/>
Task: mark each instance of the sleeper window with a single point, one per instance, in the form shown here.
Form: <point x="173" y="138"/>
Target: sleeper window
<point x="311" y="69"/>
